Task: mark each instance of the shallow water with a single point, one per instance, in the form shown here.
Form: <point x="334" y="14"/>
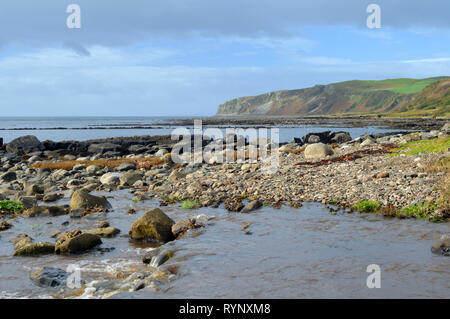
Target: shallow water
<point x="284" y="253"/>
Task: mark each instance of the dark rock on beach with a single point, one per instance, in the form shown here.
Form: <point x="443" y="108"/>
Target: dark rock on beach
<point x="154" y="225"/>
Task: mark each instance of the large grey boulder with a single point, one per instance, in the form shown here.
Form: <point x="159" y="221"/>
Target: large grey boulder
<point x="81" y="199"/>
<point x="26" y="144"/>
<point x="318" y="150"/>
<point x="130" y="177"/>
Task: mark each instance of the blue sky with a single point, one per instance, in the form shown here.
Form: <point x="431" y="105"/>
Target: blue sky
<point x="187" y="57"/>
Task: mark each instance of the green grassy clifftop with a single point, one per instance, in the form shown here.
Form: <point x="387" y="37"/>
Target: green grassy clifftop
<point x="386" y="96"/>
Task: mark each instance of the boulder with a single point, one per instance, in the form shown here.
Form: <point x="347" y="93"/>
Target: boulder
<point x="76" y="244"/>
<point x="49" y="277"/>
<point x="154" y="225"/>
<point x="130" y="177"/>
<point x="26" y="144"/>
<point x="34" y="249"/>
<point x="110" y="178"/>
<point x="81" y="199"/>
<point x="446" y="128"/>
<point x="318" y="150"/>
<point x="253" y="205"/>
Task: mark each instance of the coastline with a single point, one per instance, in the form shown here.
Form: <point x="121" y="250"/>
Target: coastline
<point x="394" y="175"/>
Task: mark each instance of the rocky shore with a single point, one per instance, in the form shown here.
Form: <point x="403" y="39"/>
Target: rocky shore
<point x="372" y="173"/>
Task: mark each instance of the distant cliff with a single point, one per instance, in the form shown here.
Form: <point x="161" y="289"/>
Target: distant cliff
<point x="392" y="95"/>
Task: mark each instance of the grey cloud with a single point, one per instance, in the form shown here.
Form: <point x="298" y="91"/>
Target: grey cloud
<point x="114" y="23"/>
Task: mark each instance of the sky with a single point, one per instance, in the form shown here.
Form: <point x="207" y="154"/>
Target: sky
<point x="186" y="57"/>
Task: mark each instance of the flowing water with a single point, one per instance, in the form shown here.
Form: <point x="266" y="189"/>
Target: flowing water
<point x="283" y="253"/>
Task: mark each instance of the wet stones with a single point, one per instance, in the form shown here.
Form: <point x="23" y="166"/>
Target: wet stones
<point x="442" y="247"/>
<point x="5" y="225"/>
<point x="46" y="210"/>
<point x="161" y="258"/>
<point x="154" y="225"/>
<point x="81" y="199"/>
<point x="102" y="148"/>
<point x="34" y="249"/>
<point x="233" y="204"/>
<point x="253" y="205"/>
<point x="34" y="189"/>
<point x="49" y="277"/>
<point x="27" y="201"/>
<point x="125" y="167"/>
<point x="184" y="225"/>
<point x="106" y="232"/>
<point x="8" y="177"/>
<point x="52" y="197"/>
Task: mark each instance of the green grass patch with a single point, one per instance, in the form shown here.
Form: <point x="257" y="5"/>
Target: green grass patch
<point x="187" y="204"/>
<point x="366" y="206"/>
<point x="421" y="211"/>
<point x="422" y="146"/>
<point x="11" y="206"/>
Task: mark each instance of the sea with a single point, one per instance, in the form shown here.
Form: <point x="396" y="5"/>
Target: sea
<point x="86" y="128"/>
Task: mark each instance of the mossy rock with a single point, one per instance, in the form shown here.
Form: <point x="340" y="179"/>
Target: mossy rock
<point x="154" y="225"/>
<point x="34" y="249"/>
